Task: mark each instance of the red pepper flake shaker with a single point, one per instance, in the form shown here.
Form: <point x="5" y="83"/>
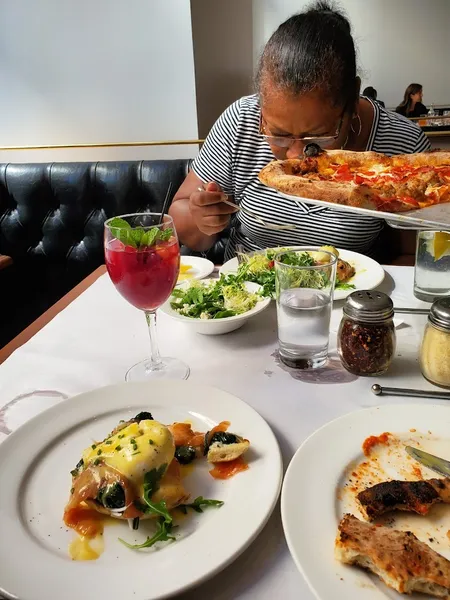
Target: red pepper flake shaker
<point x="366" y="337"/>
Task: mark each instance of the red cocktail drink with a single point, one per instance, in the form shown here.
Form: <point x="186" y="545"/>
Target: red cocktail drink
<point x="142" y="256"/>
<point x="144" y="276"/>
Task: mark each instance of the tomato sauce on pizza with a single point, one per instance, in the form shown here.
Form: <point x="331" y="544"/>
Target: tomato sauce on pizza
<point x="365" y="179"/>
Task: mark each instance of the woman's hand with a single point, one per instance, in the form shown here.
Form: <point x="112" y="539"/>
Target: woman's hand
<point x="199" y="213"/>
<point x="209" y="213"/>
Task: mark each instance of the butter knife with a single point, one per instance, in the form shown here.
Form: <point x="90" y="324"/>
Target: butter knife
<point x="440" y="465"/>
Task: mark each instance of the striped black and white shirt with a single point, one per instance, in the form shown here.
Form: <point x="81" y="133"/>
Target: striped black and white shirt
<point x="233" y="155"/>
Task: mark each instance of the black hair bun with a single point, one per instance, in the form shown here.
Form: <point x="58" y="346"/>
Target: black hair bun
<point x="329" y="9"/>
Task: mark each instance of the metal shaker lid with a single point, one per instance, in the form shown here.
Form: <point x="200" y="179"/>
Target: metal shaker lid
<point x="440" y="313"/>
<point x="369" y="306"/>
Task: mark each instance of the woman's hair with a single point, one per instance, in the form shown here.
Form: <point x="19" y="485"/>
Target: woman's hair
<point x="413" y="88"/>
<point x="312" y="51"/>
<point x="370" y="92"/>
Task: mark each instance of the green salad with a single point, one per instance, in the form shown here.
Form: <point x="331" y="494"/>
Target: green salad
<point x="259" y="268"/>
<point x="225" y="297"/>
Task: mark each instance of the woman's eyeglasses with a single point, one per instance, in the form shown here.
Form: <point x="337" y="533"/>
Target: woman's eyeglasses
<point x="323" y="141"/>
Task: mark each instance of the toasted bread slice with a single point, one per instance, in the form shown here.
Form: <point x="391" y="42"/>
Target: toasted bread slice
<point x="399" y="559"/>
<point x="219" y="452"/>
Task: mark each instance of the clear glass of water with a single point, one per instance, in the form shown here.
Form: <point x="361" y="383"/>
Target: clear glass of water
<point x="432" y="269"/>
<point x="305" y="279"/>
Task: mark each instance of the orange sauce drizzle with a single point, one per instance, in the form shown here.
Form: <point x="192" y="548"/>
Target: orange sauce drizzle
<point x="84" y="520"/>
<point x="225" y="470"/>
<point x="374" y="440"/>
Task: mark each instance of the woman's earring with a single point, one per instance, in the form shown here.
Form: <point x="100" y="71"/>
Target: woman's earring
<point x="360" y="125"/>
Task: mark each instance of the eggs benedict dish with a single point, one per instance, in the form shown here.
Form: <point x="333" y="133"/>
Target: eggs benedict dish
<point x="120" y="476"/>
<point x="135" y="474"/>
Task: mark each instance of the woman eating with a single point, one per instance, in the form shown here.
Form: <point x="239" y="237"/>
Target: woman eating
<point x="307" y="91"/>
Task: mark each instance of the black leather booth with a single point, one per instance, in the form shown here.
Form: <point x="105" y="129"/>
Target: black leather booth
<point x="51" y="224"/>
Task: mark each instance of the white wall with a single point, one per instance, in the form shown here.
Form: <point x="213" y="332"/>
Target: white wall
<point x="88" y="71"/>
<point x="399" y="42"/>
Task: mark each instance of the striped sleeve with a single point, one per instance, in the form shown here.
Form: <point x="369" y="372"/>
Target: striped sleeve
<point x="422" y="144"/>
<point x="215" y="160"/>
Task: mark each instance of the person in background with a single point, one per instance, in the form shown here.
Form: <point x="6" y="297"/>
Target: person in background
<point x="412" y="102"/>
<point x="307" y="92"/>
<point x="371" y="92"/>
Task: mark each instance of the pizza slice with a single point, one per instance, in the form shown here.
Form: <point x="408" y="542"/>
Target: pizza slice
<point x="365" y="179"/>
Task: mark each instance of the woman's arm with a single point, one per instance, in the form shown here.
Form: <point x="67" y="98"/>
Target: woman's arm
<point x="199" y="216"/>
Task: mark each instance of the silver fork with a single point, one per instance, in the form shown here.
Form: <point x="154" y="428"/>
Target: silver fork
<point x="257" y="218"/>
<point x="240" y="252"/>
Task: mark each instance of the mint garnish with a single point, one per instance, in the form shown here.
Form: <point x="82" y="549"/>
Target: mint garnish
<point x="138" y="237"/>
<point x="150" y="236"/>
<point x="120" y="229"/>
<point x="165" y="234"/>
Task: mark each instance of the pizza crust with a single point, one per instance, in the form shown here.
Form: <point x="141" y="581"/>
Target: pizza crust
<point x="274" y="175"/>
<point x="434" y="158"/>
<point x="301" y="177"/>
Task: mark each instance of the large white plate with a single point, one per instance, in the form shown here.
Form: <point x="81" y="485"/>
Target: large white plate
<point x="201" y="268"/>
<point x="437" y="216"/>
<point x="35" y="462"/>
<point x="313" y="499"/>
<point x="369" y="274"/>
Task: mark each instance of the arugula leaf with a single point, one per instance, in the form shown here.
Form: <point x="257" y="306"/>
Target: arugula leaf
<point x="344" y="286"/>
<point x="298" y="259"/>
<point x="151" y="484"/>
<point x="152" y="479"/>
<point x="222" y="314"/>
<point x="198" y="503"/>
<point x="163" y="531"/>
<point x="158" y="508"/>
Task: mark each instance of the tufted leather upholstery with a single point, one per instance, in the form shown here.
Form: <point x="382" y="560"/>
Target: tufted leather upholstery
<point x="51" y="223"/>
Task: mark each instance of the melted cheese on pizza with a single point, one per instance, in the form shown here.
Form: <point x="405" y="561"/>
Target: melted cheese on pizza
<point x="416" y="186"/>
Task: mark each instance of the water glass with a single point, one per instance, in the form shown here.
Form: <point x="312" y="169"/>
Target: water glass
<point x="305" y="279"/>
<point x="432" y="269"/>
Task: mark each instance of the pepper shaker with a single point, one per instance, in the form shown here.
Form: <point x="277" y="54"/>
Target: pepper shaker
<point x="435" y="349"/>
<point x="366" y="337"/>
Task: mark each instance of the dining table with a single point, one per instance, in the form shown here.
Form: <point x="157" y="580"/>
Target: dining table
<point x="98" y="336"/>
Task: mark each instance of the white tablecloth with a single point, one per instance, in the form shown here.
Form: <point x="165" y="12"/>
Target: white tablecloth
<point x="95" y="339"/>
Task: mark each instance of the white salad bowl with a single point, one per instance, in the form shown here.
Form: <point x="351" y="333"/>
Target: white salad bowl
<point x="217" y="326"/>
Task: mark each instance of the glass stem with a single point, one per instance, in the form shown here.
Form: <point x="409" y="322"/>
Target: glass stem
<point x="155" y="357"/>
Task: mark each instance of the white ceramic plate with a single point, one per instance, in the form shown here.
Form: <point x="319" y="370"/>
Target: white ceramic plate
<point x="218" y="326"/>
<point x="200" y="268"/>
<point x="35" y="462"/>
<point x="369" y="274"/>
<point x="314" y="499"/>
